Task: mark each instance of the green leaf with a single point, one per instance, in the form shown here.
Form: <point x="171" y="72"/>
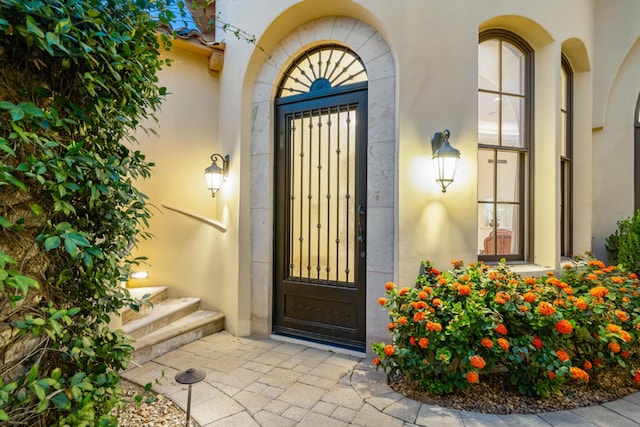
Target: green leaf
<point x="56" y="373"/>
<point x="61" y="401"/>
<point x="24" y="283"/>
<point x="5" y="223"/>
<point x="3" y="416"/>
<point x="32" y="27"/>
<point x="16" y="113"/>
<point x="36" y="209"/>
<point x="52" y="243"/>
<point x="42" y="406"/>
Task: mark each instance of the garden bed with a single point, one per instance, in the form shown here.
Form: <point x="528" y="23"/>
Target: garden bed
<point x="495" y="394"/>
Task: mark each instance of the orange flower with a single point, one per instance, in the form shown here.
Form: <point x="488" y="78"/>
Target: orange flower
<point x="616" y="279"/>
<point x="503" y="343"/>
<point x="553" y="281"/>
<point x="457" y="263"/>
<point x="434" y="271"/>
<point x="558" y="302"/>
<point x="523" y="308"/>
<point x="464" y="290"/>
<point x="412" y="341"/>
<point x="432" y="326"/>
<point x="419" y="316"/>
<point x="626" y="299"/>
<point x="501" y="329"/>
<point x="596" y="263"/>
<point x="403" y="291"/>
<point x="423" y="295"/>
<point x="389" y="350"/>
<point x="581" y="304"/>
<point x="592" y="276"/>
<point x="550" y="273"/>
<point x="486" y="343"/>
<point x="551" y="375"/>
<point x="614" y="347"/>
<point x="529" y="297"/>
<point x="626" y="336"/>
<point x="636" y="376"/>
<point x="376" y="361"/>
<point x="623" y="316"/>
<point x="389" y="285"/>
<point x="599" y="291"/>
<point x="477" y="362"/>
<point x="423" y="342"/>
<point x="564" y="327"/>
<point x="529" y="280"/>
<point x="420" y="305"/>
<point x="382" y="301"/>
<point x="537" y="343"/>
<point x="587" y="365"/>
<point x="611" y="327"/>
<point x="562" y="355"/>
<point x="579" y="374"/>
<point x="437" y="302"/>
<point x="402" y="320"/>
<point x="442" y="281"/>
<point x="625" y="354"/>
<point x="472" y="377"/>
<point x="545" y="308"/>
<point x="391" y="326"/>
<point x="634" y="276"/>
<point x="502" y="297"/>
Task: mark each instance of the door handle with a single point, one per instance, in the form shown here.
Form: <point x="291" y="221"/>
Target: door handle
<point x="362" y="210"/>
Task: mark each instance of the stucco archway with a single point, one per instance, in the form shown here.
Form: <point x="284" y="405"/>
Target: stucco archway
<point x="369" y="44"/>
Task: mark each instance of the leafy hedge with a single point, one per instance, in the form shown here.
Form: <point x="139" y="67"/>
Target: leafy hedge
<point x="624" y="244"/>
<point x="76" y="79"/>
<point x="454" y="326"/>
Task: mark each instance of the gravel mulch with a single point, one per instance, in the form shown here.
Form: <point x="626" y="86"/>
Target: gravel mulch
<point x="495" y="394"/>
<point x="153" y="411"/>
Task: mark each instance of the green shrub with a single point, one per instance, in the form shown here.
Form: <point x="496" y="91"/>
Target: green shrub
<point x="454" y="326"/>
<point x="76" y="79"/>
<point x="624" y="244"/>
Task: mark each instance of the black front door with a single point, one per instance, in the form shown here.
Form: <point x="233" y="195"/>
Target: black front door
<point x="320" y="216"/>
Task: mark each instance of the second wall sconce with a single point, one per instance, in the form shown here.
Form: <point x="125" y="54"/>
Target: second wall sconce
<point x="215" y="174"/>
<point x="445" y="159"/>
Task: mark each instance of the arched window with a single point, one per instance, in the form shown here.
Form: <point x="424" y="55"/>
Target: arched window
<point x="327" y="66"/>
<point x="636" y="154"/>
<point x="505" y="123"/>
<point x="566" y="155"/>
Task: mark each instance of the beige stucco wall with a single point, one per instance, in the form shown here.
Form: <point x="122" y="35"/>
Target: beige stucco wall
<point x="433" y="45"/>
<point x="190" y="257"/>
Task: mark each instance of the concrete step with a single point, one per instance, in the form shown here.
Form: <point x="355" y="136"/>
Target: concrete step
<point x="176" y="334"/>
<point x="163" y="313"/>
<point x="153" y="294"/>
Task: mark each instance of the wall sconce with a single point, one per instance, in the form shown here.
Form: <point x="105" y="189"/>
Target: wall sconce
<point x="215" y="174"/>
<point x="445" y="159"/>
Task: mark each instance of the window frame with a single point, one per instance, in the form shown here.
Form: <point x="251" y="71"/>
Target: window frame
<point x="566" y="166"/>
<point x="636" y="155"/>
<point x="526" y="152"/>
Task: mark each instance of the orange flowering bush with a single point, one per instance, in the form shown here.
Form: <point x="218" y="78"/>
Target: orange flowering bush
<point x="454" y="326"/>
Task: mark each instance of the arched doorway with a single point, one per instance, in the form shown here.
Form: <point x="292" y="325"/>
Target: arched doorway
<point x="371" y="47"/>
<point x="321" y="198"/>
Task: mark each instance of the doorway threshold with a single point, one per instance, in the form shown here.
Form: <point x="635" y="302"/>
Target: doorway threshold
<point x="319" y="346"/>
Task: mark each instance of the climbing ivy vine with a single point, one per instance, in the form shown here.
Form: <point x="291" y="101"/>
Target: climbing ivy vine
<point x="77" y="77"/>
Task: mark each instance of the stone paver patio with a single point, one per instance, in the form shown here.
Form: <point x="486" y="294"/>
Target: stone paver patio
<point x="266" y="382"/>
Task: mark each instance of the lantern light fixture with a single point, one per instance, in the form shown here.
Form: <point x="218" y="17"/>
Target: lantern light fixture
<point x="215" y="175"/>
<point x="445" y="159"/>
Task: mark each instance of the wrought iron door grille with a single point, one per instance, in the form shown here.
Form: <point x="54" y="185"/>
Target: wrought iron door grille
<point x="321" y="195"/>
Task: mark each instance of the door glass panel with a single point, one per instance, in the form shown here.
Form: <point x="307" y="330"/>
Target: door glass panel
<point x="512" y="121"/>
<point x="322" y="235"/>
<point x="508" y="182"/>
